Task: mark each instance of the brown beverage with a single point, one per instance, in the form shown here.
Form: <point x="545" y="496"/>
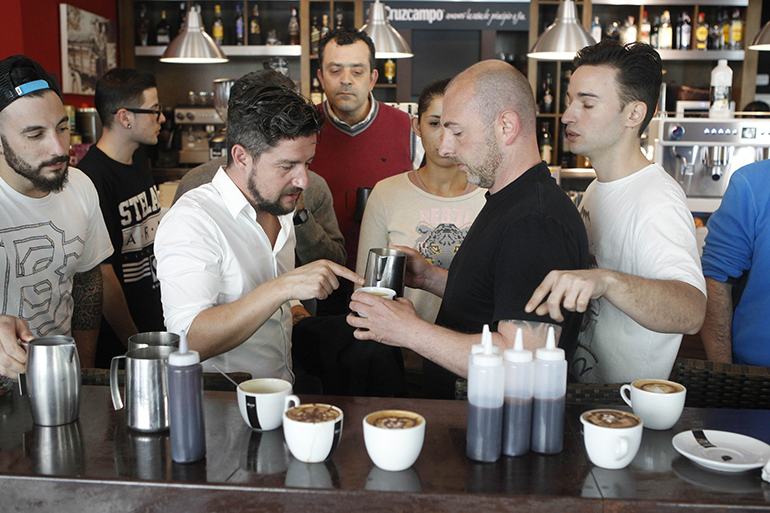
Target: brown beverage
<point x="658" y="387"/>
<point x="314" y="413"/>
<point x="394" y="419"/>
<point x="612" y="419"/>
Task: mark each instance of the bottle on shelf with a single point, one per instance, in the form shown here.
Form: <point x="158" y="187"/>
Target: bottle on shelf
<point x="547" y="94"/>
<point x="684" y="32"/>
<point x="239" y="32"/>
<point x="725" y="31"/>
<point x="613" y="31"/>
<point x="596" y="29"/>
<point x="181" y="18"/>
<point x="316" y="94"/>
<point x="315" y="36"/>
<point x="390" y="70"/>
<point x="218" y="30"/>
<point x="702" y="33"/>
<point x="736" y="31"/>
<point x="519" y="388"/>
<point x="293" y="27"/>
<point x="338" y="18"/>
<point x="655" y="33"/>
<point x="644" y="29"/>
<point x="546" y="146"/>
<point x="162" y="30"/>
<point x="721" y="90"/>
<point x="715" y="35"/>
<point x="187" y="430"/>
<point x="255" y="30"/>
<point x="272" y="38"/>
<point x="665" y="33"/>
<point x="628" y="32"/>
<point x="486" y="389"/>
<point x="324" y="25"/>
<point x="549" y="397"/>
<point x="142" y="27"/>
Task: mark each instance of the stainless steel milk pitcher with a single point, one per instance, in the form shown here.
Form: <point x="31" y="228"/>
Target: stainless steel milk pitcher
<point x="146" y="388"/>
<point x="385" y="268"/>
<point x="52" y="380"/>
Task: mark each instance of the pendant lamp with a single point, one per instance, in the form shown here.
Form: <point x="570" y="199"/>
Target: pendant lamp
<point x="562" y="40"/>
<point x="388" y="43"/>
<point x="762" y="41"/>
<point x="193" y="45"/>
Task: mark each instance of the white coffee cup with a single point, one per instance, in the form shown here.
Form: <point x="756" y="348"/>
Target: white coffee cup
<point x="659" y="403"/>
<point x="394" y="438"/>
<point x="314" y="438"/>
<point x="383" y="292"/>
<point x="612" y="437"/>
<point x="263" y="401"/>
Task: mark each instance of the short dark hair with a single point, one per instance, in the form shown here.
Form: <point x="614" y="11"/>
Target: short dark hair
<point x="257" y="80"/>
<point x="639" y="71"/>
<point x="120" y="88"/>
<point x="432" y="90"/>
<point x="347" y="36"/>
<point x="258" y="119"/>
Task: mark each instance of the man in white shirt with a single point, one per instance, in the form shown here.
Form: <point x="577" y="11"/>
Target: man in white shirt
<point x="225" y="250"/>
<point x="647" y="288"/>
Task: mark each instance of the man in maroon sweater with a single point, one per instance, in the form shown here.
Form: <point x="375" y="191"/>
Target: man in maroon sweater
<point x="363" y="140"/>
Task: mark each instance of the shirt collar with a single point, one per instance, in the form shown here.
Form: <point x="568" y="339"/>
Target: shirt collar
<point x="231" y="194"/>
<point x="373" y="107"/>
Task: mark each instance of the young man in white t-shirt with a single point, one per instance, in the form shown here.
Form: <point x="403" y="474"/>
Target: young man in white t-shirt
<point x="647" y="288"/>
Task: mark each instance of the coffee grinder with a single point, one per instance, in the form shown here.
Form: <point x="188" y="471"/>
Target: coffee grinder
<point x="218" y="140"/>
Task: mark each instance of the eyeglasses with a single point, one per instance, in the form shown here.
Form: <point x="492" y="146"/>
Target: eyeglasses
<point x="157" y="112"/>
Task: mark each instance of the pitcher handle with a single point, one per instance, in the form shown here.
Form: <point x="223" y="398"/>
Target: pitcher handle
<point x="23" y="375"/>
<point x="117" y="402"/>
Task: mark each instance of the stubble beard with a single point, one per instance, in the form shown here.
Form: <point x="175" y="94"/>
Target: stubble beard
<point x="270" y="207"/>
<point x="484" y="174"/>
<point x="34" y="174"/>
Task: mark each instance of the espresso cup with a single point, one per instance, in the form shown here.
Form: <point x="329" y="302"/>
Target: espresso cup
<point x="658" y="402"/>
<point x="612" y="437"/>
<point x="312" y="430"/>
<point x="382" y="292"/>
<point x="262" y="402"/>
<point x="394" y="438"/>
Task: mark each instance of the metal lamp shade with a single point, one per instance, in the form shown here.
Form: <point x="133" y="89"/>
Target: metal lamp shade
<point x="762" y="41"/>
<point x="562" y="40"/>
<point x="193" y="45"/>
<point x="388" y="43"/>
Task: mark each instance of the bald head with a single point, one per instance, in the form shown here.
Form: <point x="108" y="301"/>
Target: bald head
<point x="496" y="86"/>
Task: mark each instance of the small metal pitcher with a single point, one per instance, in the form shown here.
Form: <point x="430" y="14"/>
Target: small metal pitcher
<point x="146" y="388"/>
<point x="386" y="268"/>
<point x="52" y="380"/>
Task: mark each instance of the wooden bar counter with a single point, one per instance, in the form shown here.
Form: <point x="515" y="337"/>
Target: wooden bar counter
<point x="97" y="464"/>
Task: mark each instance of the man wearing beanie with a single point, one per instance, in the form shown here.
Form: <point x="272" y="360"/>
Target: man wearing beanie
<point x="52" y="235"/>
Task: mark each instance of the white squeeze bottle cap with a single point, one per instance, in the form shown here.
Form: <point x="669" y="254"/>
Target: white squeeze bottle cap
<point x="518" y="354"/>
<point x="183" y="357"/>
<point x="550" y="352"/>
<point x="489" y="357"/>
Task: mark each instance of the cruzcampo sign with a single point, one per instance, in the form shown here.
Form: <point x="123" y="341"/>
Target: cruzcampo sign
<point x="426" y="15"/>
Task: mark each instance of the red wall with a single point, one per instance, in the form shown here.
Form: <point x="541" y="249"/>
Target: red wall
<point x="32" y="28"/>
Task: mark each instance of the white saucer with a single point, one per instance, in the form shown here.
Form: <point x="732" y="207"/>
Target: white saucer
<point x="745" y="453"/>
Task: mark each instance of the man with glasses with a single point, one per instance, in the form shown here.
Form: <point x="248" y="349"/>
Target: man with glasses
<point x="127" y="102"/>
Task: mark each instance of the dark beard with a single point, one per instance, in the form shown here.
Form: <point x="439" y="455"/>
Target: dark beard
<point x="271" y="207"/>
<point x="33" y="174"/>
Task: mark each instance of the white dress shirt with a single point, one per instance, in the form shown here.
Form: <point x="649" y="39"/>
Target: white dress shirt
<point x="211" y="251"/>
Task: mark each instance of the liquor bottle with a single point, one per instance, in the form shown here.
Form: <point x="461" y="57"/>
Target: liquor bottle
<point x="239" y="35"/>
<point x="547" y="94"/>
<point x="272" y="38"/>
<point x="324" y="25"/>
<point x="315" y="36"/>
<point x="644" y="32"/>
<point x="725" y="31"/>
<point x="596" y="29"/>
<point x="613" y="31"/>
<point x="181" y="17"/>
<point x="142" y="27"/>
<point x="701" y="32"/>
<point x="628" y="32"/>
<point x="655" y="33"/>
<point x="390" y="70"/>
<point x="546" y="146"/>
<point x="255" y="30"/>
<point x="665" y="33"/>
<point x="162" y="30"/>
<point x="715" y="35"/>
<point x="684" y="32"/>
<point x="218" y="30"/>
<point x="736" y="31"/>
<point x="293" y="27"/>
<point x="316" y="95"/>
<point x="338" y="18"/>
<point x="721" y="90"/>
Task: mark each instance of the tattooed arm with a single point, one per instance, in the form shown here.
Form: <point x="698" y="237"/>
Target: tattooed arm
<point x="87" y="292"/>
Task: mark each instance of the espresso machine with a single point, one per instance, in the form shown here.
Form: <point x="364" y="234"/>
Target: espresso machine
<point x="702" y="153"/>
<point x="195" y="126"/>
<point x="218" y="140"/>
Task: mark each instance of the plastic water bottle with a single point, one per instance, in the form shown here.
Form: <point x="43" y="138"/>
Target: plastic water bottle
<point x="519" y="389"/>
<point x="721" y="90"/>
<point x="486" y="382"/>
<point x="185" y="404"/>
<point x="550" y="393"/>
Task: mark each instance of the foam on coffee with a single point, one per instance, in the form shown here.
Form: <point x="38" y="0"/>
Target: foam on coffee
<point x="314" y="413"/>
<point x="394" y="419"/>
<point x="658" y="387"/>
<point x="262" y="387"/>
<point x="611" y="419"/>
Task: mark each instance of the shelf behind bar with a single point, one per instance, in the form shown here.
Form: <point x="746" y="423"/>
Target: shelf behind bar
<point x="232" y="51"/>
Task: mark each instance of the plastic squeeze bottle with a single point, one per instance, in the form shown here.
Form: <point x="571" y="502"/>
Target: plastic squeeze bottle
<point x="519" y="389"/>
<point x="721" y="90"/>
<point x="486" y="382"/>
<point x="550" y="392"/>
<point x="185" y="404"/>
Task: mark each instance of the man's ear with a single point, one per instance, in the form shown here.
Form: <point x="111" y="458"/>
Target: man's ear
<point x="636" y="113"/>
<point x="510" y="124"/>
<point x="123" y="117"/>
<point x="241" y="157"/>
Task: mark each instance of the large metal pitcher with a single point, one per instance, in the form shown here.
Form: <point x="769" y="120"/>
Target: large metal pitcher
<point x="52" y="380"/>
<point x="146" y="388"/>
<point x="386" y="268"/>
